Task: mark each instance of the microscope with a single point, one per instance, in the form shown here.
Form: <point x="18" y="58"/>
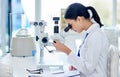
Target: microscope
<point x="42" y="39"/>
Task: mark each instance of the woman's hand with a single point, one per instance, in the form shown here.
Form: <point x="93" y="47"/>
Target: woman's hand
<point x="61" y="47"/>
<point x="71" y="68"/>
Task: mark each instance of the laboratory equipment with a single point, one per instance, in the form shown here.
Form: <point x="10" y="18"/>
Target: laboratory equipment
<point x="58" y="35"/>
<point x="68" y="28"/>
<point x="22" y="44"/>
<point x="41" y="37"/>
<point x="43" y="40"/>
<point x="56" y="27"/>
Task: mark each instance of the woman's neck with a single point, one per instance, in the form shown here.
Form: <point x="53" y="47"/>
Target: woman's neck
<point x="88" y="24"/>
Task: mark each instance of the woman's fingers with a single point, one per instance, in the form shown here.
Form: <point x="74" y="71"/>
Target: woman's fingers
<point x="71" y="68"/>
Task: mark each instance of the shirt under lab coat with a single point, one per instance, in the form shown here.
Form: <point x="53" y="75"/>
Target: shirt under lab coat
<point x="93" y="54"/>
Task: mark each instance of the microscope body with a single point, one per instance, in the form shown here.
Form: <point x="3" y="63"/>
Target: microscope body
<point x="41" y="37"/>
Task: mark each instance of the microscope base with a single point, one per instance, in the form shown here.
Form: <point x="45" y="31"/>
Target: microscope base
<point x="50" y="67"/>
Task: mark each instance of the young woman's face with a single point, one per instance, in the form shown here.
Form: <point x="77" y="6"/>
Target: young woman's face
<point x="76" y="25"/>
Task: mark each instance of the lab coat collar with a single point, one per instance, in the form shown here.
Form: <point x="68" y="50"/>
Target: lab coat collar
<point x="92" y="27"/>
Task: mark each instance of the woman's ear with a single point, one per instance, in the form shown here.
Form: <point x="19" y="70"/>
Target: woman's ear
<point x="80" y="18"/>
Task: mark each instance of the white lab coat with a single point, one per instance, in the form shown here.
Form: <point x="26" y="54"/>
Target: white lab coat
<point x="93" y="54"/>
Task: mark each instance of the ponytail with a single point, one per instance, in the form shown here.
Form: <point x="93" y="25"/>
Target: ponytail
<point x="95" y="15"/>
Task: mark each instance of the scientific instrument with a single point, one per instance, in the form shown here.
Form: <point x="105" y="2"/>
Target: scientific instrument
<point x="43" y="40"/>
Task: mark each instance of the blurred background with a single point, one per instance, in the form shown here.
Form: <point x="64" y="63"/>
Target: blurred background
<point x="17" y="14"/>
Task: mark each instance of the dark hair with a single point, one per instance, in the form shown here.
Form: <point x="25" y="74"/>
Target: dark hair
<point x="77" y="9"/>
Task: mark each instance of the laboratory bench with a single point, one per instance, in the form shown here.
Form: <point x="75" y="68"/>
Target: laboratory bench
<point x="20" y="64"/>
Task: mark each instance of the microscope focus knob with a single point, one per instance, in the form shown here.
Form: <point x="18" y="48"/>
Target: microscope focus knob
<point x="44" y="40"/>
<point x="37" y="38"/>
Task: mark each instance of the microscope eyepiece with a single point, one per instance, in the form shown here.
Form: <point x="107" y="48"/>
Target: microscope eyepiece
<point x="35" y="23"/>
<point x="68" y="28"/>
<point x="40" y="23"/>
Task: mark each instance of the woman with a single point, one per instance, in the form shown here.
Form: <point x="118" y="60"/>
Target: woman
<point x="91" y="59"/>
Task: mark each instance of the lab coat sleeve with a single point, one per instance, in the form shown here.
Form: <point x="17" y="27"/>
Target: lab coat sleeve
<point x="89" y="62"/>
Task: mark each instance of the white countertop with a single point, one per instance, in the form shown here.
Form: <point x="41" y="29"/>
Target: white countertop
<point x="20" y="64"/>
